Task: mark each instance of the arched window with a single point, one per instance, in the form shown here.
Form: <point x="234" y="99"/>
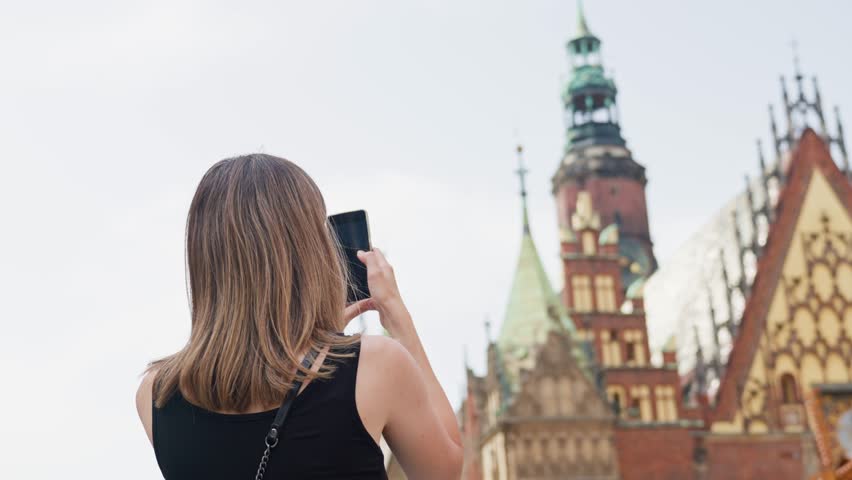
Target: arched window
<point x="789" y="391"/>
<point x="616" y="404"/>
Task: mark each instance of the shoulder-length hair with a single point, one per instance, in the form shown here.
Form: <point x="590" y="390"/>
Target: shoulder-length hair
<point x="266" y="285"/>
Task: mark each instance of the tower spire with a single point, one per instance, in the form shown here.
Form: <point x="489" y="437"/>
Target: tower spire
<point x="522" y="174"/>
<point x="589" y="98"/>
<point x="582" y="26"/>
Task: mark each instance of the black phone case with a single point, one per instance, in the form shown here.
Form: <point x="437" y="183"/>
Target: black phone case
<point x="353" y="234"/>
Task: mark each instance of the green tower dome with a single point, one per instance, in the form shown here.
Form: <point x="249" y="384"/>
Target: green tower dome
<point x="588" y="80"/>
<point x="591" y="112"/>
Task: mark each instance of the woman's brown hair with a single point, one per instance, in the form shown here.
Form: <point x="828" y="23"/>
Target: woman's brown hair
<point x="266" y="285"/>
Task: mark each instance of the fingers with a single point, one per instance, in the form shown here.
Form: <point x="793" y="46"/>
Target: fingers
<point x="380" y="277"/>
<point x="357" y="308"/>
<point x="381" y="259"/>
<point x="374" y="260"/>
<point x="368" y="258"/>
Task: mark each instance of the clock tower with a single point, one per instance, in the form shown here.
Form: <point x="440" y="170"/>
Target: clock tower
<point x="596" y="159"/>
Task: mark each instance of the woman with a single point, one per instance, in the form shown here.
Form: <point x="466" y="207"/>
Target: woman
<point x="268" y="290"/>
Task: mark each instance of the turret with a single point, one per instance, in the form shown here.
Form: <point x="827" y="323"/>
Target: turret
<point x="596" y="159"/>
<point x="591" y="112"/>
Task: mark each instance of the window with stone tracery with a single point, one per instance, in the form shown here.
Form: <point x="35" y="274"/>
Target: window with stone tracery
<point x="634" y="345"/>
<point x="605" y="293"/>
<point x="582" y="289"/>
<point x="617" y="398"/>
<point x="611" y="349"/>
<point x="666" y="406"/>
<point x="641" y="402"/>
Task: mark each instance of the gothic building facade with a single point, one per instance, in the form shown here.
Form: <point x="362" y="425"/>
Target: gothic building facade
<point x="749" y="386"/>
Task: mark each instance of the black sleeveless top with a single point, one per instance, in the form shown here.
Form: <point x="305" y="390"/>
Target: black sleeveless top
<point x="322" y="438"/>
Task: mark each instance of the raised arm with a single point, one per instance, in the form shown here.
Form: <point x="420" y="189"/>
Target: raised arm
<point x="421" y="429"/>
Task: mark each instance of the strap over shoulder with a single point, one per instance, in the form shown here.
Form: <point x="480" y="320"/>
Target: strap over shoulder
<point x="271" y="439"/>
<point x="281" y="415"/>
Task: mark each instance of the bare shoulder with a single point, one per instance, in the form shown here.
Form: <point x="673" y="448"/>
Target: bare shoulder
<point x="144" y="400"/>
<point x="144" y="394"/>
<point x="384" y="370"/>
<point x="386" y="355"/>
<point x="378" y="344"/>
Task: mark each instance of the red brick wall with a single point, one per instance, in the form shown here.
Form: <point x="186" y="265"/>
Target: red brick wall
<point x="650" y="376"/>
<point x="629" y="200"/>
<point x="599" y="322"/>
<point x="590" y="266"/>
<point x="775" y="457"/>
<point x="647" y="453"/>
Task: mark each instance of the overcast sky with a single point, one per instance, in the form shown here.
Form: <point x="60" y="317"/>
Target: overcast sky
<point x="110" y="112"/>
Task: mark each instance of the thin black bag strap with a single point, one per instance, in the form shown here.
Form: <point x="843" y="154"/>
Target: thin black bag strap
<point x="271" y="439"/>
<point x="307" y="363"/>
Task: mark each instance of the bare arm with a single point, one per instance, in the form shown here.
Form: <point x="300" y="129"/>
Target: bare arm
<point x="404" y="431"/>
<point x="409" y="339"/>
<point x="144" y="403"/>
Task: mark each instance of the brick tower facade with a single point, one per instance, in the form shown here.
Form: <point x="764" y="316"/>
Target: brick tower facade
<point x="596" y="159"/>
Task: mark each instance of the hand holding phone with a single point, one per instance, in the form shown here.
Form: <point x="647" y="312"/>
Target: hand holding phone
<point x="385" y="296"/>
<point x="353" y="234"/>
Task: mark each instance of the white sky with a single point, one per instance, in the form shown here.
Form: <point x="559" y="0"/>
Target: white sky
<point x="110" y="112"/>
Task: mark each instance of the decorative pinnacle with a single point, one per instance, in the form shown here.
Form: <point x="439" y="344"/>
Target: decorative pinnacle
<point x="841" y="141"/>
<point x="522" y="173"/>
<point x="699" y="352"/>
<point x="796" y="67"/>
<point x="760" y="159"/>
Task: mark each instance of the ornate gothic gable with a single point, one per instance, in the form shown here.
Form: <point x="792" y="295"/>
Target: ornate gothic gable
<point x="797" y="325"/>
<point x="557" y="385"/>
<point x="558" y="424"/>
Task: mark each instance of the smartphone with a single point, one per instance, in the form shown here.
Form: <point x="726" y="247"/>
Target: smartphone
<point x="353" y="234"/>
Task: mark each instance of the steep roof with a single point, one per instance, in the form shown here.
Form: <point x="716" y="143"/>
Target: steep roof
<point x="811" y="154"/>
<point x="533" y="309"/>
